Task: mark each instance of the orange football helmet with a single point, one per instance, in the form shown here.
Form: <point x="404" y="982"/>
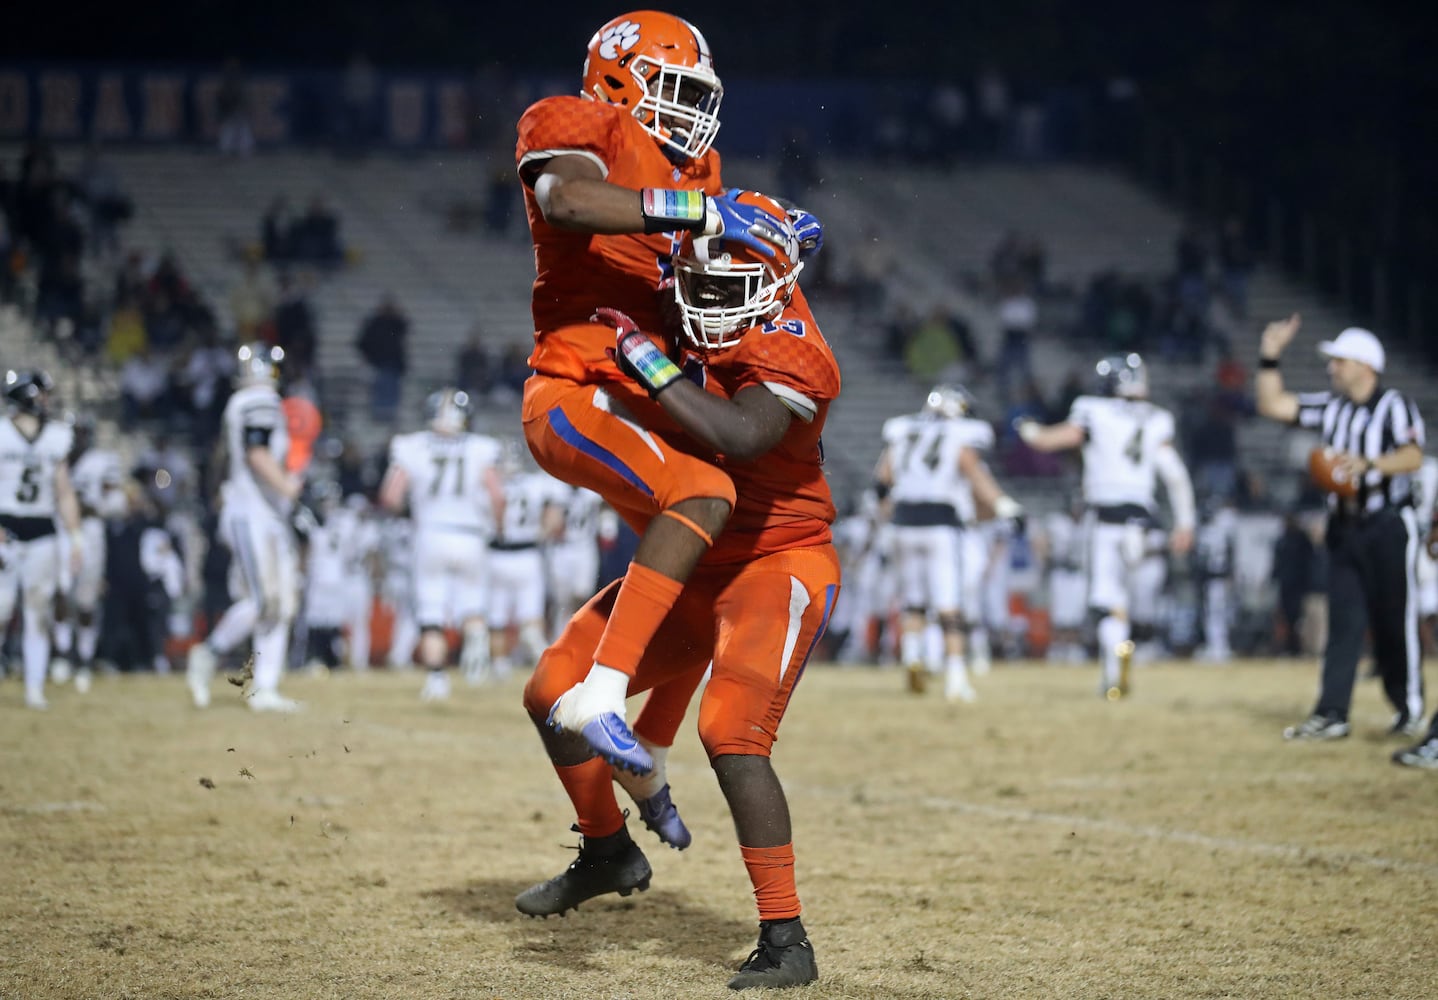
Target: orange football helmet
<point x="724" y="288"/>
<point x="658" y="66"/>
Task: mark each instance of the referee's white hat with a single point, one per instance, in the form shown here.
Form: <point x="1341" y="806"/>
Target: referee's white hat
<point x="1355" y="344"/>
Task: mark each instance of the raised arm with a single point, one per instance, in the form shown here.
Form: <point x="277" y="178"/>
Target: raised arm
<point x="1272" y="400"/>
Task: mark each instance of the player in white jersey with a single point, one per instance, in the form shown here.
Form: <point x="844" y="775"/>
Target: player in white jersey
<point x="1064" y="561"/>
<point x="933" y="468"/>
<point x="396" y="573"/>
<point x="259" y="497"/>
<point x="35" y="492"/>
<point x="532" y="502"/>
<point x="573" y="558"/>
<point x="1213" y="548"/>
<point x="98" y="478"/>
<point x="449" y="479"/>
<point x="1127" y="445"/>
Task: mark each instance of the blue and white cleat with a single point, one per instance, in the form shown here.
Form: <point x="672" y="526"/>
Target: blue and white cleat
<point x="660" y="815"/>
<point x="607" y="735"/>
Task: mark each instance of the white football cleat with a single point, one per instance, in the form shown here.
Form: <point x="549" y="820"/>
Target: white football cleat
<point x="36" y="701"/>
<point x="272" y="701"/>
<point x="83" y="679"/>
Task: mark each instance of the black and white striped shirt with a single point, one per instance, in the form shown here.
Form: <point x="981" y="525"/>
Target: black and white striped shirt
<point x="1386" y="422"/>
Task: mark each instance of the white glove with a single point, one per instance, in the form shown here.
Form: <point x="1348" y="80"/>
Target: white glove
<point x="1028" y="431"/>
<point x="1006" y="508"/>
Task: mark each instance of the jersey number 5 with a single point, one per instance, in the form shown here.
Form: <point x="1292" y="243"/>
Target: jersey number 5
<point x="29" y="487"/>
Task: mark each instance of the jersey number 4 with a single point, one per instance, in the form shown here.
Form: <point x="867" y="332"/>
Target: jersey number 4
<point x="1133" y="451"/>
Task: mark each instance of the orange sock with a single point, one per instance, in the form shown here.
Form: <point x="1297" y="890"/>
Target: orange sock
<point x="591" y="788"/>
<point x="645" y="597"/>
<point x="771" y="870"/>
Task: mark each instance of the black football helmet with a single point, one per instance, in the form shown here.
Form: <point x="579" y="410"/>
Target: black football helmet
<point x="28" y="390"/>
<point x="1123" y="375"/>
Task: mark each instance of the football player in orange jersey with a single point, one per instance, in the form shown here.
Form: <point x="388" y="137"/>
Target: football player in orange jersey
<point x="608" y="176"/>
<point x="762" y="378"/>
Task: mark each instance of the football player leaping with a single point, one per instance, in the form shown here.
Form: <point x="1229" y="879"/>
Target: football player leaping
<point x="1127" y="445"/>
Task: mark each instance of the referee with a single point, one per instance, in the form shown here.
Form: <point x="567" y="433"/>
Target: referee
<point x="1373" y="538"/>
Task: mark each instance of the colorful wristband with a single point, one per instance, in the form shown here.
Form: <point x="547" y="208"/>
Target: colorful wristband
<point x="666" y="210"/>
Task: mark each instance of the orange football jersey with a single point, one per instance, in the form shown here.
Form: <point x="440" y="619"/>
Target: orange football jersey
<point x="783" y="498"/>
<point x="579" y="272"/>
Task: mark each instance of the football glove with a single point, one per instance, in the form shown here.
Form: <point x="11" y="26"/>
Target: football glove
<point x="730" y="219"/>
<point x="809" y="230"/>
<point x="636" y="355"/>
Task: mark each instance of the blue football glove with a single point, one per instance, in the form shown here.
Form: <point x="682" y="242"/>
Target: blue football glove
<point x="636" y="355"/>
<point x="728" y="218"/>
<point x="809" y="230"/>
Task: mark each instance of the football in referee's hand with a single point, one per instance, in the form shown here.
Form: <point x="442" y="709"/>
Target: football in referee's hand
<point x="1326" y="467"/>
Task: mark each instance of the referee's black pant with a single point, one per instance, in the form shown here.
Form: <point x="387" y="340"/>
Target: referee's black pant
<point x="1372" y="585"/>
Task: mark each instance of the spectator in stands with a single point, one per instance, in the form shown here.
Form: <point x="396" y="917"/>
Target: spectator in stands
<point x="513" y="371"/>
<point x="105" y="200"/>
<point x="126" y="336"/>
<point x="1212" y="449"/>
<point x="277" y="231"/>
<point x="316" y="235"/>
<point x="232" y="111"/>
<point x="165" y="327"/>
<point x="295" y="327"/>
<point x="476" y="375"/>
<point x="144" y="388"/>
<point x="206" y="378"/>
<point x="60" y="294"/>
<point x="1018" y="313"/>
<point x="252" y="303"/>
<point x="933" y="353"/>
<point x="383" y="343"/>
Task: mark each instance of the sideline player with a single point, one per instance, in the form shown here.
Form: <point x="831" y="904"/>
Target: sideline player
<point x="35" y="493"/>
<point x="1127" y="446"/>
<point x="448" y="476"/>
<point x="756" y="606"/>
<point x="608" y="175"/>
